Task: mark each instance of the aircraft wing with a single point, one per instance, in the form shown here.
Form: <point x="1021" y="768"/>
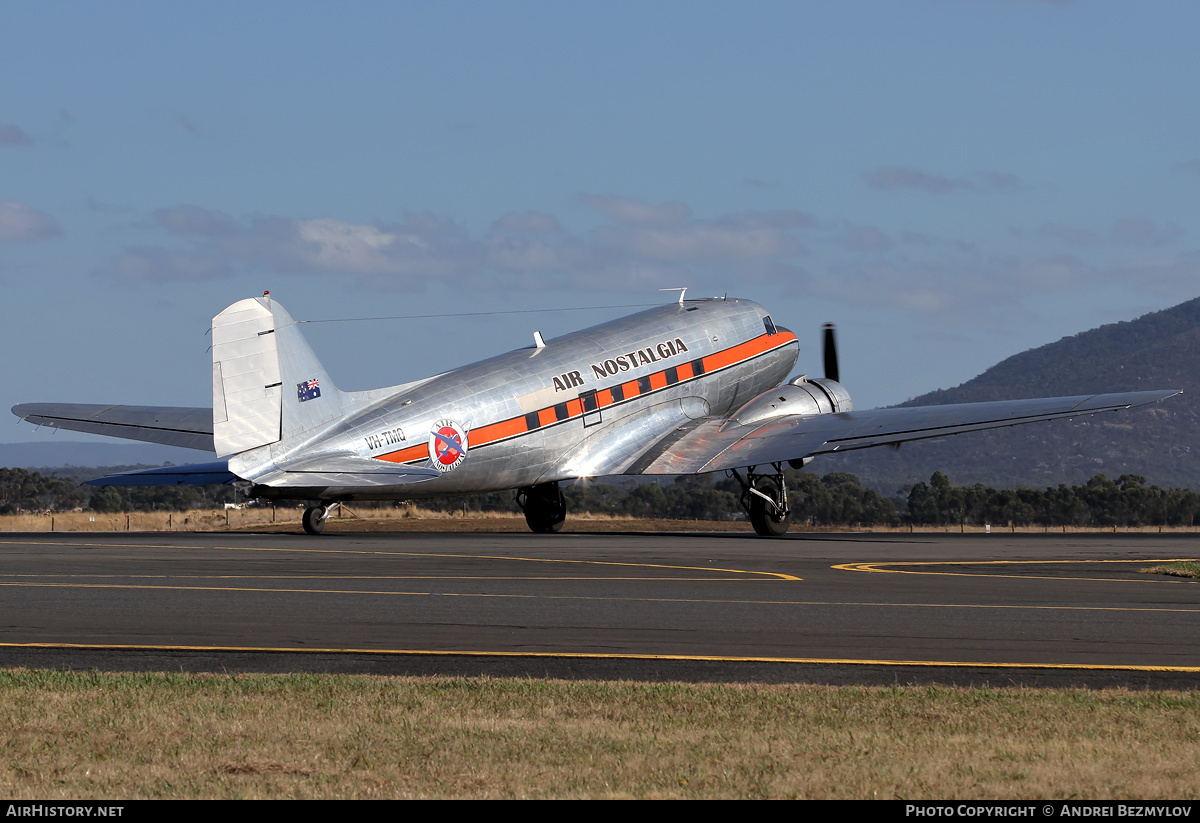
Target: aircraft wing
<point x="169" y="425"/>
<point x="343" y="470"/>
<point x="200" y="474"/>
<point x="718" y="444"/>
<point x="314" y="472"/>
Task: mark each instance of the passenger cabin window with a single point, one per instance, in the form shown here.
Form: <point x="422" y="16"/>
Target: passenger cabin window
<point x="770" y="327"/>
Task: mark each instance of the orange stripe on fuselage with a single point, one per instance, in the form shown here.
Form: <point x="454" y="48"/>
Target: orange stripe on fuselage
<point x="744" y="351"/>
<point x="406" y="455"/>
<point x="515" y="426"/>
<point x="497" y="431"/>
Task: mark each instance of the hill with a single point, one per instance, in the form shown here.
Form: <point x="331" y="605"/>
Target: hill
<point x="1160" y="350"/>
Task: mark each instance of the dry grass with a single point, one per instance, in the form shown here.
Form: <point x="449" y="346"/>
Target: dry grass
<point x="72" y="735"/>
<point x="203" y="520"/>
<point x="413" y="518"/>
<point x="287" y="518"/>
<point x="1186" y="568"/>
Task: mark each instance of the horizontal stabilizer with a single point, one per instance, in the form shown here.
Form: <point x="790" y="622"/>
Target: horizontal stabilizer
<point x="200" y="474"/>
<point x="169" y="425"/>
<point x="344" y="470"/>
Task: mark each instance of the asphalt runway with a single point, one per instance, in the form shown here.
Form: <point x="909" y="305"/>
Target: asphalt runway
<point x="993" y="609"/>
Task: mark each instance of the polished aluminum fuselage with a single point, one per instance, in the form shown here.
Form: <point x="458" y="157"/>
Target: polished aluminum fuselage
<point x="594" y="402"/>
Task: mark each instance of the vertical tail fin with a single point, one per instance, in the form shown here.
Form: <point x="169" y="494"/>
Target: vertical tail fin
<point x="259" y="359"/>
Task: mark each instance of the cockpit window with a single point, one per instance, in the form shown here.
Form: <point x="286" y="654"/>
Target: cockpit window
<point x="768" y="324"/>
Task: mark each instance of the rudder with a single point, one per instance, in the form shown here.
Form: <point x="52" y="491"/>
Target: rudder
<point x="259" y="359"/>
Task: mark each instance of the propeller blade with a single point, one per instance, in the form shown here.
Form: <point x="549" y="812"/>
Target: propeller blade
<point x="830" y="352"/>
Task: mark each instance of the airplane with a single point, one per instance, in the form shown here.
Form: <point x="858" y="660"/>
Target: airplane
<point x="689" y="387"/>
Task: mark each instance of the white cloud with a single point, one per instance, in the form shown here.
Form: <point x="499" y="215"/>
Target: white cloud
<point x="640" y="244"/>
<point x="635" y="212"/>
<point x="922" y="287"/>
<point x="521" y="254"/>
<point x="956" y="287"/>
<point x="21" y="224"/>
<point x="699" y="243"/>
<point x="338" y="245"/>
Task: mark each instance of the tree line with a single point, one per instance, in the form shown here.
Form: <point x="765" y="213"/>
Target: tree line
<point x="840" y="499"/>
<point x="63" y="490"/>
<point x="834" y="499"/>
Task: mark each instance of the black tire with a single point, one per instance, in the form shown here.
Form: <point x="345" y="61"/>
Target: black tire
<point x="314" y="519"/>
<point x="763" y="517"/>
<point x="545" y="508"/>
<point x="543" y="525"/>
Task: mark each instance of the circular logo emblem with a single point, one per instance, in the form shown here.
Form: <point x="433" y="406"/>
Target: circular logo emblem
<point x="447" y="445"/>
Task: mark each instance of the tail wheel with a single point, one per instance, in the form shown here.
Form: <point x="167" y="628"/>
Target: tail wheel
<point x="314" y="519"/>
<point x="769" y="518"/>
<point x="545" y="507"/>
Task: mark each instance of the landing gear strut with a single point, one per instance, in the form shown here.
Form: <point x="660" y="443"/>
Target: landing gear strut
<point x="764" y="497"/>
<point x="544" y="506"/>
<point x="315" y="516"/>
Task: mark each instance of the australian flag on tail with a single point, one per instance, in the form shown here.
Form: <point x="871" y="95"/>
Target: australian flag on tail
<point x="308" y="390"/>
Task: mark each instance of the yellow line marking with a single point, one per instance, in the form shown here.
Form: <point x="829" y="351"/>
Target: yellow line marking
<point x="612" y="656"/>
<point x="267" y="590"/>
<point x="880" y="567"/>
<point x="94" y="545"/>
<point x="715" y="601"/>
<point x="539" y="578"/>
<point x="774" y="575"/>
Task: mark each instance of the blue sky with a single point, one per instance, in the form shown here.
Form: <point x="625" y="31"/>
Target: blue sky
<point x="949" y="182"/>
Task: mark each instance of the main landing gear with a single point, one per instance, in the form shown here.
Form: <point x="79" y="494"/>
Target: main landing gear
<point x="315" y="516"/>
<point x="764" y="497"/>
<point x="544" y="506"/>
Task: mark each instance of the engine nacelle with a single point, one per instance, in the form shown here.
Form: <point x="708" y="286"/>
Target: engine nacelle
<point x="839" y="398"/>
<point x="800" y="396"/>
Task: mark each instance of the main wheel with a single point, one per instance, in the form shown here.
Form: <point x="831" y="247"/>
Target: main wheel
<point x="763" y="516"/>
<point x="314" y="519"/>
<point x="545" y="508"/>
